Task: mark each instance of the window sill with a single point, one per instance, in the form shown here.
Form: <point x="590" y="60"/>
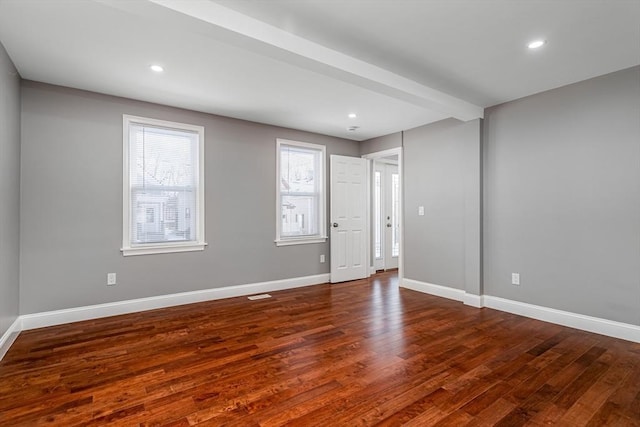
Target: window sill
<point x="300" y="241"/>
<point x="162" y="249"/>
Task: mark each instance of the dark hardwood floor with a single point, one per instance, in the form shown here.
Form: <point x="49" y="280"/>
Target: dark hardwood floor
<point x="357" y="353"/>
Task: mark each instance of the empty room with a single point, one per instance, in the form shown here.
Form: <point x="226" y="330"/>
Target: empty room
<point x="319" y="212"/>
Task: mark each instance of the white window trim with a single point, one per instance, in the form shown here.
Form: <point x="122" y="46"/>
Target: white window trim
<point x="321" y="237"/>
<point x="165" y="247"/>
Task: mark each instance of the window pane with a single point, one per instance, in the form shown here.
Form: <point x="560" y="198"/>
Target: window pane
<point x="162" y="216"/>
<point x="298" y="170"/>
<point x="163" y="178"/>
<point x="162" y="157"/>
<point x="299" y="215"/>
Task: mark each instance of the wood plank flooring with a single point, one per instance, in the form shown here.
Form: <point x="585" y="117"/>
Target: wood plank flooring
<point x="357" y="353"/>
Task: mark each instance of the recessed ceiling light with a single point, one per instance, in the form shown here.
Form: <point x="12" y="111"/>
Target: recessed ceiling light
<point x="536" y="44"/>
<point x="352" y="115"/>
<point x="157" y="68"/>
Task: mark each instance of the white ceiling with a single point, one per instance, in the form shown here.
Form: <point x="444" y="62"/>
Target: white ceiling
<point x="306" y="64"/>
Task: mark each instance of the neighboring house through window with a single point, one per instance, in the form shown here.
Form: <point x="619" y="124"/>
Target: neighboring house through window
<point x="163" y="186"/>
<point x="300" y="193"/>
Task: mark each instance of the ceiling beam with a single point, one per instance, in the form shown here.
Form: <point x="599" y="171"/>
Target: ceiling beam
<point x="302" y="52"/>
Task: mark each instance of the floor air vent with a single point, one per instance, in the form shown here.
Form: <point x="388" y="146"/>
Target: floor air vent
<point x="261" y="296"/>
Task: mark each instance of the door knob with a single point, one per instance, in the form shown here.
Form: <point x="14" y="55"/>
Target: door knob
<point x="389" y="225"/>
<point x="335" y="225"/>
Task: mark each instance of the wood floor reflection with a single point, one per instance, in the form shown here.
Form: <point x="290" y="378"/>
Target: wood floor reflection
<point x="356" y="353"/>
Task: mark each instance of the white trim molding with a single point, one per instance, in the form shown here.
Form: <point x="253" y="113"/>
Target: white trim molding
<point x="320" y="191"/>
<point x="76" y="314"/>
<point x="10" y="336"/>
<point x="444" y="292"/>
<point x="300" y="241"/>
<point x="130" y="246"/>
<point x="432" y="289"/>
<point x="597" y="325"/>
<point x="397" y="151"/>
<point x="473" y="300"/>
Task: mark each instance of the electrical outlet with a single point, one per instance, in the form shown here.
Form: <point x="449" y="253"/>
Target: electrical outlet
<point x="322" y="258"/>
<point x="421" y="210"/>
<point x="515" y="279"/>
<point x="111" y="279"/>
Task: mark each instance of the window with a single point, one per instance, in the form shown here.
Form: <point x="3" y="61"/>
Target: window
<point x="163" y="195"/>
<point x="300" y="193"/>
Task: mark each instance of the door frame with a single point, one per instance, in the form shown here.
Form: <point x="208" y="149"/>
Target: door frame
<point x="383" y="165"/>
<point x="371" y="157"/>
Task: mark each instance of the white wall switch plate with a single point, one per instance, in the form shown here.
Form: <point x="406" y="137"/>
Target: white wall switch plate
<point x="421" y="210"/>
<point x="322" y="258"/>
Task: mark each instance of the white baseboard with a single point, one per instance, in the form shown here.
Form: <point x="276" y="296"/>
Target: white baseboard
<point x="37" y="320"/>
<point x="10" y="336"/>
<point x="597" y="325"/>
<point x="430" y="288"/>
<point x="476" y="301"/>
<point x="76" y="314"/>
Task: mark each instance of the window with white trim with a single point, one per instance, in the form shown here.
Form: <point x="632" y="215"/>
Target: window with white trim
<point x="300" y="193"/>
<point x="163" y="192"/>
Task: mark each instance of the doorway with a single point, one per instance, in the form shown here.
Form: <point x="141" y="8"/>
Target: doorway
<point x="385" y="210"/>
<point x="385" y="213"/>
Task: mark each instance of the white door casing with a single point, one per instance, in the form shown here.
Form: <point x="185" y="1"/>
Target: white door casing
<point x="381" y="156"/>
<point x="348" y="224"/>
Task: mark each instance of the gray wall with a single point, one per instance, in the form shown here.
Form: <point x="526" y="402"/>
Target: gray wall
<point x="442" y="173"/>
<point x="561" y="174"/>
<point x="71" y="227"/>
<point x="562" y="198"/>
<point x="9" y="191"/>
<point x="381" y="143"/>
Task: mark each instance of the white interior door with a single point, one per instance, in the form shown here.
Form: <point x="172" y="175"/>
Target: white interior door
<point x="348" y="218"/>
